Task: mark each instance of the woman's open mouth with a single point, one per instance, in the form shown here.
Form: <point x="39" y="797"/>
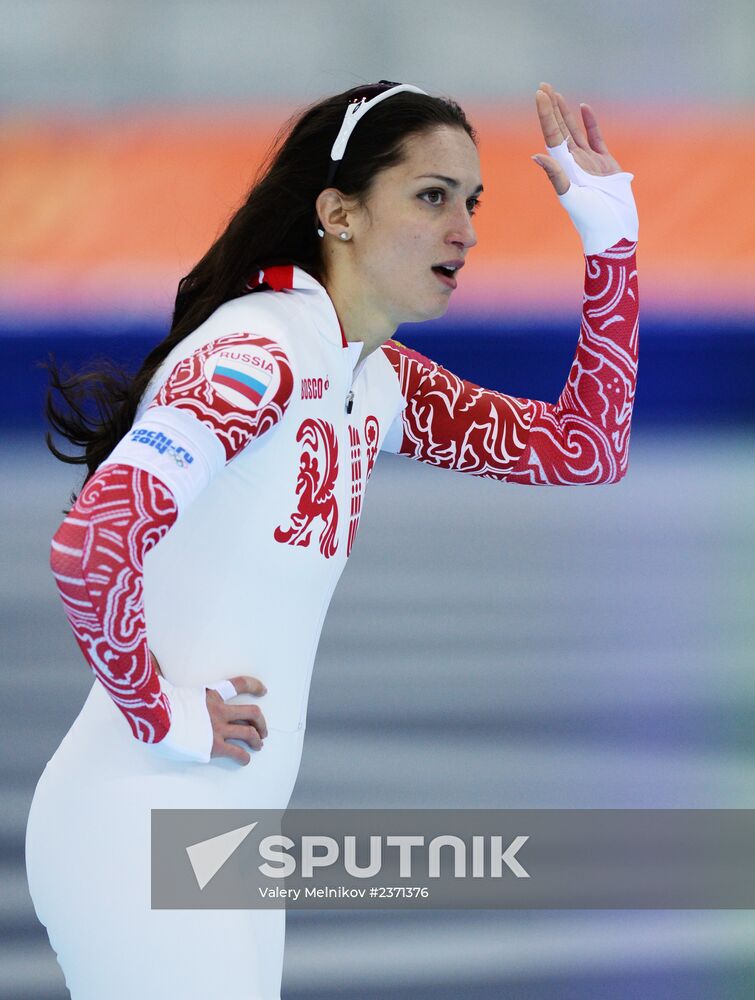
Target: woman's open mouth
<point x="446" y="276"/>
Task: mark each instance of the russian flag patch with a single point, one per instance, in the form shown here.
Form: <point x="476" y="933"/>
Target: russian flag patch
<point x="242" y="375"/>
<point x="252" y="387"/>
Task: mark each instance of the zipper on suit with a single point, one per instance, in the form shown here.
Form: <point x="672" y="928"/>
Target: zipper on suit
<point x="350" y="394"/>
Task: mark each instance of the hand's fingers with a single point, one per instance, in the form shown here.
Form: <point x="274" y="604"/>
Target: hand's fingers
<point x="594" y="135"/>
<point x="555" y="172"/>
<point x="235" y="753"/>
<point x="239" y="731"/>
<point x="155" y="664"/>
<point x="572" y="122"/>
<point x="248" y="685"/>
<point x="563" y="132"/>
<point x="548" y="123"/>
<point x="251" y="714"/>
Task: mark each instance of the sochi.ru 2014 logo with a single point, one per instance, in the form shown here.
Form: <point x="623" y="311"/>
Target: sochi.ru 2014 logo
<point x="164" y="445"/>
<point x="313" y="388"/>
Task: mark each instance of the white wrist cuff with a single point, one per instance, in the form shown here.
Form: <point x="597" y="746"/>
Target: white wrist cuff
<point x="190" y="736"/>
<point x="602" y="208"/>
<point x="225" y="689"/>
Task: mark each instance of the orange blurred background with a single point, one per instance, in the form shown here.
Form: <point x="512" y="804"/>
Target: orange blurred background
<point x="98" y="215"/>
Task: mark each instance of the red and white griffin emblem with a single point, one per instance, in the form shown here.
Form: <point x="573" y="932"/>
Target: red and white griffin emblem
<point x="315" y="486"/>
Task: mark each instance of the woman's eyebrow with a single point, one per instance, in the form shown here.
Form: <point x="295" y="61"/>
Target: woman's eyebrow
<point x="450" y="181"/>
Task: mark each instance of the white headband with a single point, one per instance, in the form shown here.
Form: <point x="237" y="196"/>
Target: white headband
<point x="358" y="110"/>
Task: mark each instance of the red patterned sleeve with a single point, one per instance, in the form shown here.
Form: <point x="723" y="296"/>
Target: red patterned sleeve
<point x="583" y="439"/>
<point x="97" y="560"/>
<point x="211" y="405"/>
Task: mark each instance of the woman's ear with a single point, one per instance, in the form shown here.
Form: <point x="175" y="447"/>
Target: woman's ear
<point x="333" y="209"/>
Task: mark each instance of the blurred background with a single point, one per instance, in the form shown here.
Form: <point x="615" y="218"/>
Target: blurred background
<point x="488" y="645"/>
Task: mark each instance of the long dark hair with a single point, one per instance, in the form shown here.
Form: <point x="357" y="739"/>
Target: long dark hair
<point x="276" y="224"/>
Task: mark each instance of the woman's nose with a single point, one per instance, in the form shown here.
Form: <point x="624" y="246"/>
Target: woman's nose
<point x="464" y="232"/>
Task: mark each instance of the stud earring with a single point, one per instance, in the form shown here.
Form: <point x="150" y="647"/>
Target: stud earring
<point x="344" y="236"/>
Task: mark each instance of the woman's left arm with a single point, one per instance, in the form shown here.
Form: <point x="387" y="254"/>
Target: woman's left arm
<point x="582" y="439"/>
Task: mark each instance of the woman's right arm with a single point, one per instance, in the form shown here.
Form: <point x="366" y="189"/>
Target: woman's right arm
<point x="583" y="438"/>
<point x="197" y="423"/>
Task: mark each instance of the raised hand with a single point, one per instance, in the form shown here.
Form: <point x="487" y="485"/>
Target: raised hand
<point x="584" y="139"/>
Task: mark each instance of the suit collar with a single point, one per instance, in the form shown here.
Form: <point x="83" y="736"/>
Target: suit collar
<point x="291" y="277"/>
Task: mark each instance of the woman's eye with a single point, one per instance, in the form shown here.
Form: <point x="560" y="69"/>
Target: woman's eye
<point x="425" y="193"/>
<point x="472" y="203"/>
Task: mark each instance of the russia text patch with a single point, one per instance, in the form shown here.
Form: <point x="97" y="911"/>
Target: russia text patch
<point x="243" y="375"/>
